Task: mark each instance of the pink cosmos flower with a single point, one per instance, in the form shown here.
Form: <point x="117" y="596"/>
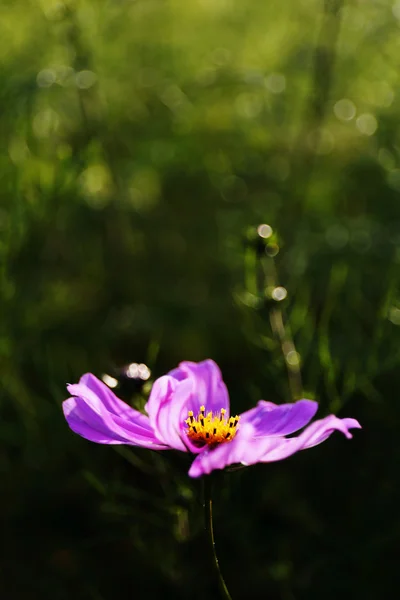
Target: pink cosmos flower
<point x="188" y="410"/>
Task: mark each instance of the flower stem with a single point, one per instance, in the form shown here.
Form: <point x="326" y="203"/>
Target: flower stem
<point x="208" y="524"/>
<point x="281" y="331"/>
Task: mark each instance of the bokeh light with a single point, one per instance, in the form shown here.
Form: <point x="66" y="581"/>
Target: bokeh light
<point x="279" y="293"/>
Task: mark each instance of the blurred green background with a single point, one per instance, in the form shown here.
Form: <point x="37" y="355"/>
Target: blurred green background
<point x="142" y="144"/>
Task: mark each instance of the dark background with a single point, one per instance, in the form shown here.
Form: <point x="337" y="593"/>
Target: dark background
<point x="142" y="143"/>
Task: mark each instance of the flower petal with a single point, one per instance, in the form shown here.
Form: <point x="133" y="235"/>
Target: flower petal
<point x="315" y="434"/>
<point x="320" y="430"/>
<point x="186" y="388"/>
<point x="167" y="409"/>
<point x="169" y="423"/>
<point x="79" y="425"/>
<point x="101" y="393"/>
<point x="271" y="420"/>
<point x="249" y="449"/>
<point x="208" y="389"/>
<point x="160" y="394"/>
<point x="98" y="415"/>
<point x="243" y="448"/>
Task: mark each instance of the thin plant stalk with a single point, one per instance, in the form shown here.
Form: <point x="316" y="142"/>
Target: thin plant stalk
<point x="208" y="524"/>
<point x="282" y="333"/>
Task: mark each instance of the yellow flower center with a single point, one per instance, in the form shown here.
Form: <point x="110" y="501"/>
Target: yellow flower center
<point x="211" y="429"/>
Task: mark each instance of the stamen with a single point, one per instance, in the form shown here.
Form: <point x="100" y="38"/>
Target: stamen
<point x="211" y="430"/>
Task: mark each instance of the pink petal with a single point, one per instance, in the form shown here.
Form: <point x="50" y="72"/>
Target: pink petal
<point x="170" y="424"/>
<point x="161" y="393"/>
<point x="270" y="419"/>
<point x="209" y="389"/>
<point x="79" y="425"/>
<point x="98" y="415"/>
<point x="186" y="388"/>
<point x="101" y="393"/>
<point x="314" y="434"/>
<point x="247" y="448"/>
<point x="244" y="448"/>
<point x="167" y="409"/>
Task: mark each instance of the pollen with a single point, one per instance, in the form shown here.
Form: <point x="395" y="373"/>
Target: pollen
<point x="211" y="428"/>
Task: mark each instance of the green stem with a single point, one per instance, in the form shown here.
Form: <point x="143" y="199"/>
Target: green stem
<point x="208" y="524"/>
<point x="281" y="331"/>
